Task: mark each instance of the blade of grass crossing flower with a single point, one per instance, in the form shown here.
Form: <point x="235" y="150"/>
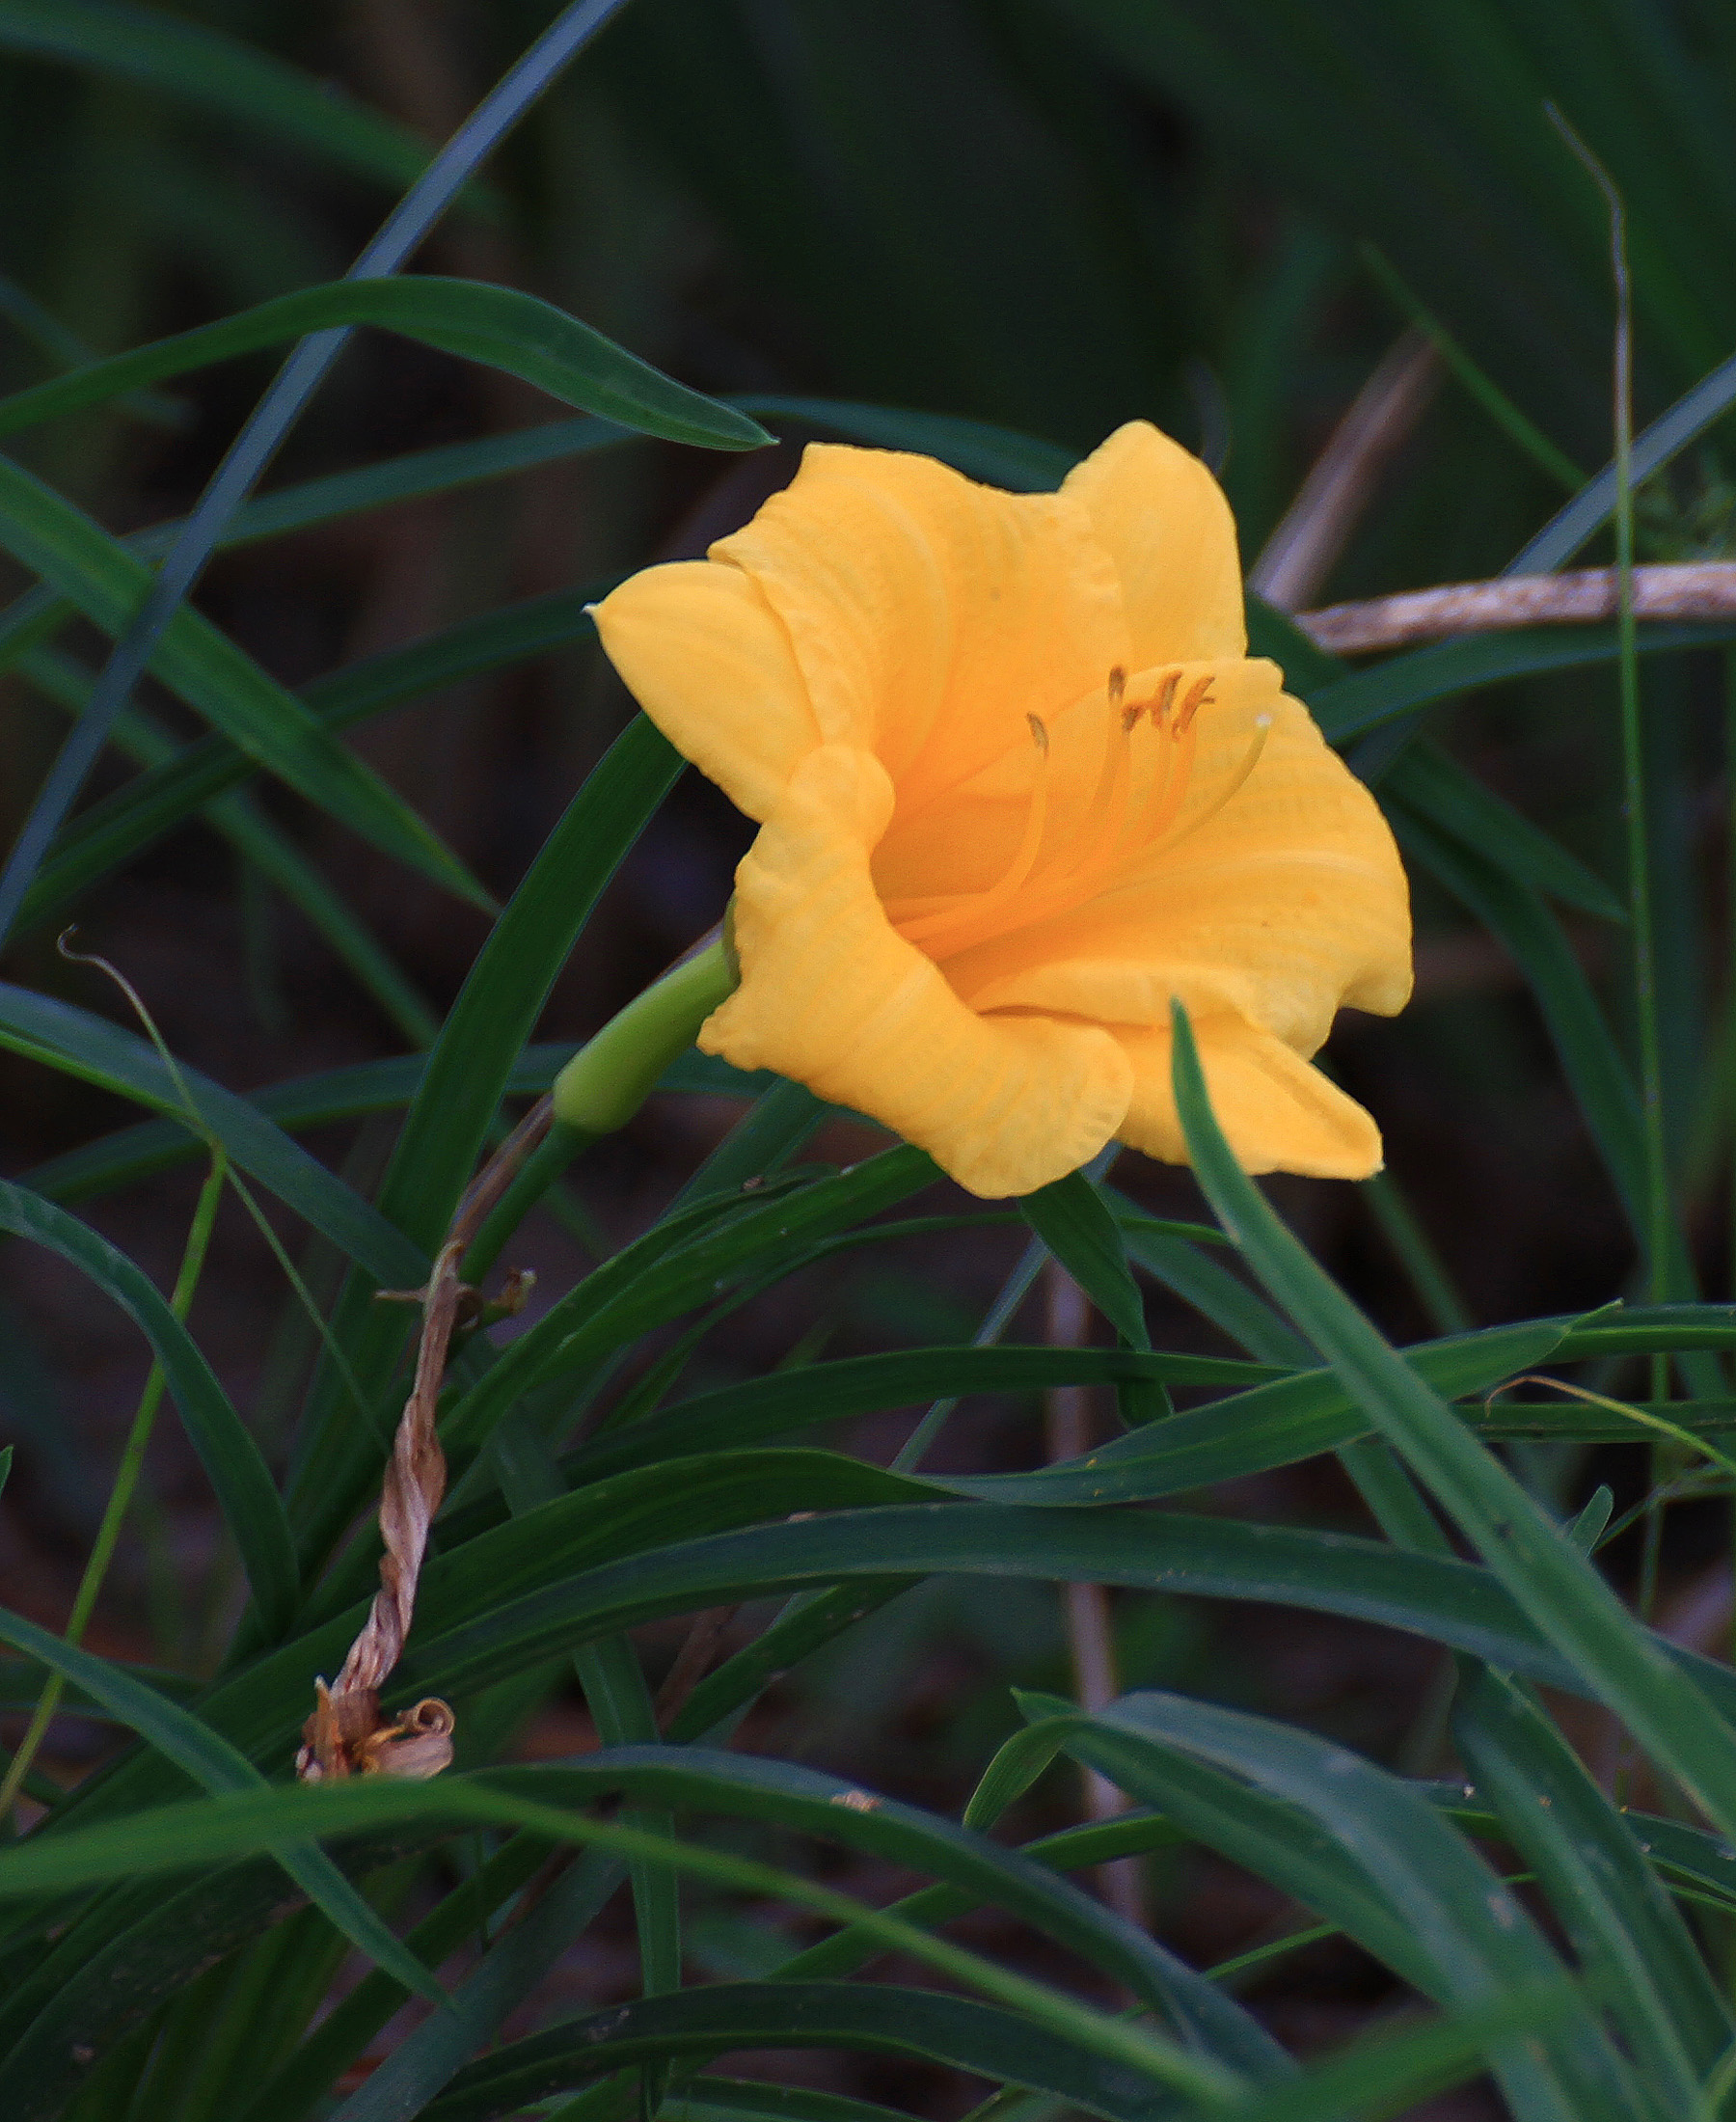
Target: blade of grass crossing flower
<point x="237" y="1473"/>
<point x="502" y="327"/>
<point x="206" y="670"/>
<point x="1626" y="1931"/>
<point x="1620" y="1662"/>
<point x="202" y="1754"/>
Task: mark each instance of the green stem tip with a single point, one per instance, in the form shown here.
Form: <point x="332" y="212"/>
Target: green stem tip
<point x="610" y="1076"/>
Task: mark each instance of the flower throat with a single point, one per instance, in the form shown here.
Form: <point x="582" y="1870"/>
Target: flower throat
<point x="1062" y="863"/>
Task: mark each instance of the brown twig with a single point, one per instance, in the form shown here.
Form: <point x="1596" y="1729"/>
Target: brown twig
<point x="1090" y="1631"/>
<point x="347" y="1735"/>
<point x="692" y="1661"/>
<point x="1701" y="589"/>
<point x="1299" y="554"/>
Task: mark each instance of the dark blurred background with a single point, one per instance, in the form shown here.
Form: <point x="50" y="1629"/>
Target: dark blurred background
<point x="1049" y="214"/>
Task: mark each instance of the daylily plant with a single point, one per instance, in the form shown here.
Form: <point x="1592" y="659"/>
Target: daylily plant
<point x="1019" y="784"/>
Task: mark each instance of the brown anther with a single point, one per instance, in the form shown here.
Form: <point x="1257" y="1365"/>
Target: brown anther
<point x="1130" y="715"/>
<point x="1038" y="733"/>
<point x="1118" y="684"/>
<point x="1166" y="694"/>
<point x="1192" y="701"/>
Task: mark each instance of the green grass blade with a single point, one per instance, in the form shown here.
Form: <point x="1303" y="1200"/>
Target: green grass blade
<point x="1440" y="791"/>
<point x="500" y="327"/>
<point x="1625" y="1930"/>
<point x="204" y="68"/>
<point x="1074" y="1221"/>
<point x="918" y="2025"/>
<point x="1364" y="700"/>
<point x="996" y="455"/>
<point x="61" y="1036"/>
<point x="237" y="1473"/>
<point x="212" y="675"/>
<point x="211" y="1763"/>
<point x="464" y="1080"/>
<point x="1593" y="505"/>
<point x="122" y="824"/>
<point x="273" y="855"/>
<point x="245" y="1822"/>
<point x="1213" y="1291"/>
<point x="1468" y="1940"/>
<point x="1576" y="1610"/>
<point x="850" y="1385"/>
<point x="1515" y="914"/>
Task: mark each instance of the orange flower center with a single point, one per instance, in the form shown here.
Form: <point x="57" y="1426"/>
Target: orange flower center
<point x="1135" y="808"/>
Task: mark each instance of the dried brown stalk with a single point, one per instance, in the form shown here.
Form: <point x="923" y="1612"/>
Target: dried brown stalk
<point x="1090" y="1633"/>
<point x="1300" y="553"/>
<point x="348" y="1734"/>
<point x="1701" y="589"/>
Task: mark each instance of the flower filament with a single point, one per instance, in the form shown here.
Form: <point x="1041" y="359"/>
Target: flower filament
<point x="1133" y="811"/>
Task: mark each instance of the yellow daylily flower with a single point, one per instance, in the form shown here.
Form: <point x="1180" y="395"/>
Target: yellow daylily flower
<point x="1019" y="784"/>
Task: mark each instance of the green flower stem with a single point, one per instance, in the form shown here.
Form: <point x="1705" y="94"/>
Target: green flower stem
<point x="607" y="1080"/>
<point x="126" y="1479"/>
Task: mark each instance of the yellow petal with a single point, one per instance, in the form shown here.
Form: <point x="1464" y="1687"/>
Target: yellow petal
<point x="929" y="617"/>
<point x="1277" y="1113"/>
<point x="833" y="997"/>
<point x="1164" y="520"/>
<point x="704" y="656"/>
<point x="1283" y="905"/>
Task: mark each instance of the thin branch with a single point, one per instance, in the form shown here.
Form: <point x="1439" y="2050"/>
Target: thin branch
<point x="1700" y="590"/>
<point x="1090" y="1626"/>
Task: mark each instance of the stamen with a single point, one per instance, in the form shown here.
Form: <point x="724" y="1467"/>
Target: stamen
<point x="1195" y="698"/>
<point x="1038" y="733"/>
<point x="1166" y="692"/>
<point x="1262" y="729"/>
<point x="1118" y="684"/>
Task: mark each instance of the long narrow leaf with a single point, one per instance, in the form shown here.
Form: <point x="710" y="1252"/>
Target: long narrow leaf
<point x="237" y="1473"/>
<point x="1574" y="1608"/>
<point x="502" y="327"/>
